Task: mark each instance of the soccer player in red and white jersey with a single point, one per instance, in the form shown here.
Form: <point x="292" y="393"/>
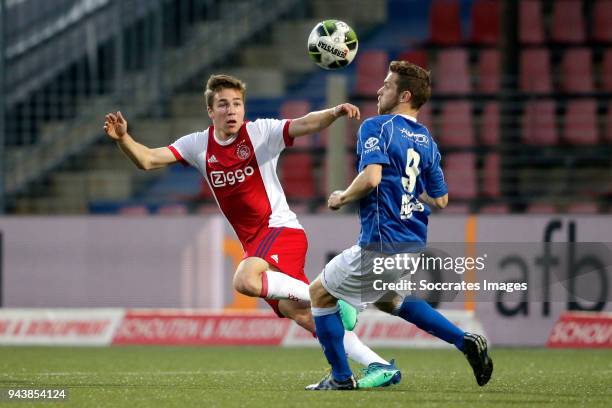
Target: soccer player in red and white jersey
<point x="238" y="160"/>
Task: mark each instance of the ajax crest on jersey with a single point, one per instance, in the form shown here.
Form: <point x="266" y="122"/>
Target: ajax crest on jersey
<point x="332" y="44"/>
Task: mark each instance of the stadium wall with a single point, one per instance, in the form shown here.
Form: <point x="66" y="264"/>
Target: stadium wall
<point x="187" y="262"/>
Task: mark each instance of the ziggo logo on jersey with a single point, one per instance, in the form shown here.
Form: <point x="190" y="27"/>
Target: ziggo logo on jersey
<point x="221" y="178"/>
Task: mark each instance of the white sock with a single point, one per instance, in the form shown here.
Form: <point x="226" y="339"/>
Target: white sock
<point x="359" y="352"/>
<point x="277" y="285"/>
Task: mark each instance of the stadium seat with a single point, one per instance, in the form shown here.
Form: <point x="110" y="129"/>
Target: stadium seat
<point x="567" y="22"/>
<point x="606" y="71"/>
<point x="535" y="70"/>
<point x="444" y="22"/>
<point x="297" y="176"/>
<point x="539" y="124"/>
<point x="460" y="174"/>
<point x="372" y="68"/>
<point x="489" y="71"/>
<point x="485" y="22"/>
<point x="491" y="175"/>
<point x="531" y="29"/>
<point x="581" y="122"/>
<point x="456" y="129"/>
<point x="418" y="57"/>
<point x="425" y="116"/>
<point x="577" y="70"/>
<point x="452" y="73"/>
<point x="602" y="21"/>
<point x="491" y="209"/>
<point x="292" y="109"/>
<point x="489" y="132"/>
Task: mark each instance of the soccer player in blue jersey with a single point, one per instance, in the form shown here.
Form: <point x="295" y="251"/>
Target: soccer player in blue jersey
<point x="399" y="178"/>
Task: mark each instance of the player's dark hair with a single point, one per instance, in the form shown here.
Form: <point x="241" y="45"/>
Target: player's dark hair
<point x="217" y="83"/>
<point x="412" y="78"/>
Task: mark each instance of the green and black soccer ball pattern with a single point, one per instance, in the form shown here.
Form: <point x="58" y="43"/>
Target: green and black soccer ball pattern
<point x="332" y="44"/>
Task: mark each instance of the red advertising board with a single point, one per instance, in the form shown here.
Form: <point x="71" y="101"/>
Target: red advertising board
<point x="185" y="328"/>
<point x="582" y="330"/>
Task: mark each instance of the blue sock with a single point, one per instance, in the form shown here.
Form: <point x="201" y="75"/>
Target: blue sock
<point x="425" y="317"/>
<point x="330" y="333"/>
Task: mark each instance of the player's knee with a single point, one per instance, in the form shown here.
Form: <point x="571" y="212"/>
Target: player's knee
<point x="246" y="285"/>
<point x="315" y="290"/>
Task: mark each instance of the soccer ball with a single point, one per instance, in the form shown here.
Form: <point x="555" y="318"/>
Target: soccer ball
<point x="332" y="44"/>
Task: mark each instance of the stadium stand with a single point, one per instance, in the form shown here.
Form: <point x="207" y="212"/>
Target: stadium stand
<point x="546" y="118"/>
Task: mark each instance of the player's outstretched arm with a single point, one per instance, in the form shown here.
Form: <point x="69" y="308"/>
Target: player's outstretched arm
<point x="361" y="186"/>
<point x="142" y="156"/>
<point x="319" y="120"/>
<point x="439" y="202"/>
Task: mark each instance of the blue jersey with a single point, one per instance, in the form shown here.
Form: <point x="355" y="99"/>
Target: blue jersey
<point x="391" y="215"/>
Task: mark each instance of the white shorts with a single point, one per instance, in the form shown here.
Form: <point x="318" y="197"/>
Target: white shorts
<point x="350" y="276"/>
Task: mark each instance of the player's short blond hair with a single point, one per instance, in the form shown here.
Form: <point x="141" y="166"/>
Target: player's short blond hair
<point x="412" y="78"/>
<point x="217" y="83"/>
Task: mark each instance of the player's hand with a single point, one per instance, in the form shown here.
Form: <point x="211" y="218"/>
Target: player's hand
<point x="334" y="202"/>
<point x="347" y="109"/>
<point x="115" y="126"/>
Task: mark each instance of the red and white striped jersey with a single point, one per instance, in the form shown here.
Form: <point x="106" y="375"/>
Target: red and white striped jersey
<point x="241" y="173"/>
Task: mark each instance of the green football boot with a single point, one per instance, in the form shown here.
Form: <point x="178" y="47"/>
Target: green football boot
<point x="379" y="375"/>
<point x="348" y="314"/>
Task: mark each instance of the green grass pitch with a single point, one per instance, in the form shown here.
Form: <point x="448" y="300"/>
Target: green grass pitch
<point x="275" y="377"/>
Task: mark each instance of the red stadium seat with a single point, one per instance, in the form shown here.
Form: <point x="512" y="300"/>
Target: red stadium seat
<point x="602" y="21"/>
<point x="460" y="174"/>
<point x="567" y="21"/>
<point x="581" y="122"/>
<point x="606" y="71"/>
<point x="424" y="116"/>
<point x="489" y="132"/>
<point x="539" y="124"/>
<point x="418" y="57"/>
<point x="444" y="22"/>
<point x="456" y="128"/>
<point x="531" y="29"/>
<point x="293" y="109"/>
<point x="452" y="74"/>
<point x="372" y="66"/>
<point x="577" y="70"/>
<point x="297" y="175"/>
<point x="535" y="70"/>
<point x="489" y="71"/>
<point x="485" y="22"/>
<point x="491" y="175"/>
